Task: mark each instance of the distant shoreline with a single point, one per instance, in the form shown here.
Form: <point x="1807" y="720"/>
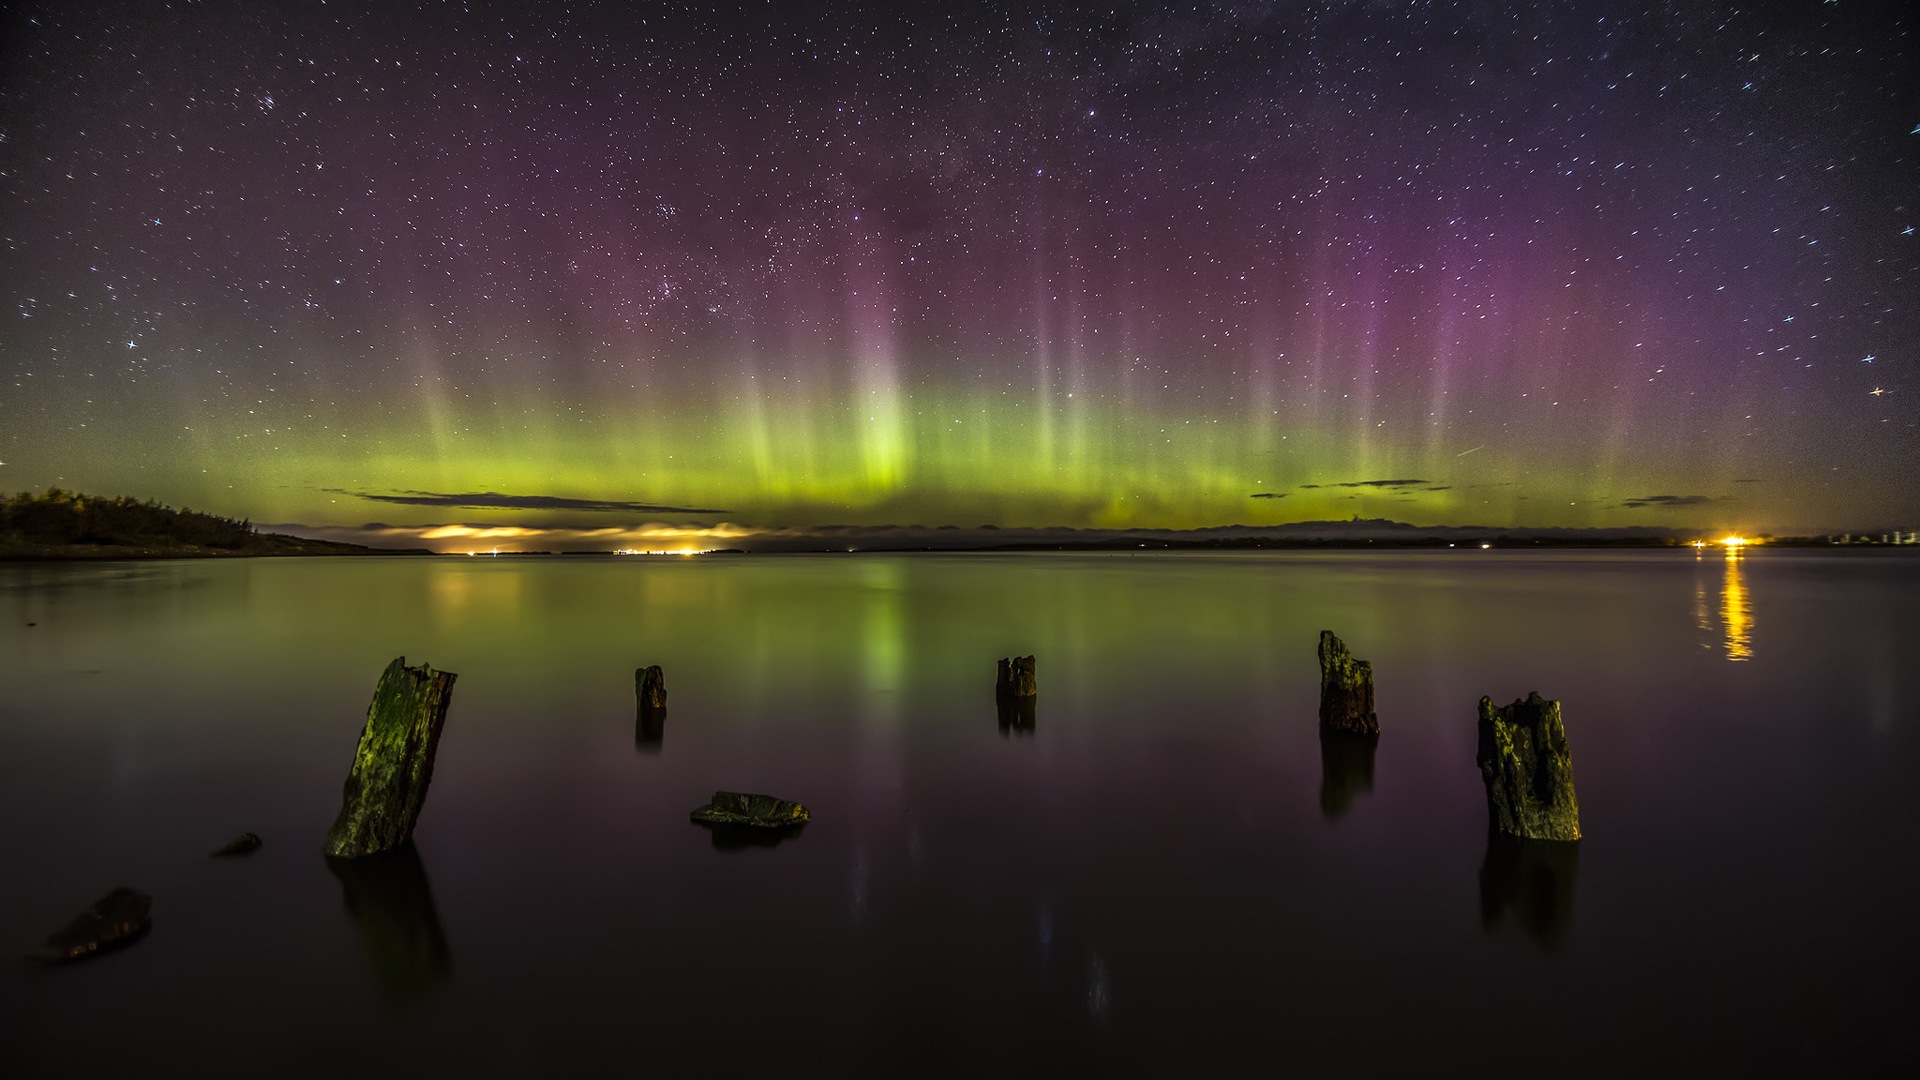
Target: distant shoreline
<point x="295" y="549"/>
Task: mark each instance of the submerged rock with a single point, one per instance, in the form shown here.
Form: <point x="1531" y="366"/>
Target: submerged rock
<point x="1016" y="678"/>
<point x="1346" y="770"/>
<point x="650" y="687"/>
<point x="755" y="811"/>
<point x="1528" y="769"/>
<point x="244" y="844"/>
<point x="394" y="761"/>
<point x="119" y="918"/>
<point x="1346" y="689"/>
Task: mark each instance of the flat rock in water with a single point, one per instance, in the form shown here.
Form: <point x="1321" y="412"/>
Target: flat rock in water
<point x="244" y="844"/>
<point x="756" y="811"/>
<point x="116" y="919"/>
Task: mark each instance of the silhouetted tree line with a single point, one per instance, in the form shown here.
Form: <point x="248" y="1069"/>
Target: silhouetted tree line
<point x="64" y="517"/>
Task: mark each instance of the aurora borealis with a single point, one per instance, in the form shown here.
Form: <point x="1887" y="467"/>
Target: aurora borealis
<point x="707" y="270"/>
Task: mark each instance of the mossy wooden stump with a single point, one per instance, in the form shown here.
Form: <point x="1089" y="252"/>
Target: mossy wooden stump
<point x="650" y="688"/>
<point x="1016" y="678"/>
<point x="1346" y="690"/>
<point x="1528" y="770"/>
<point x="394" y="761"/>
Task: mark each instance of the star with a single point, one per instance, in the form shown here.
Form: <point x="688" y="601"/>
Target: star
<point x="1868" y="359"/>
<point x="1877" y="392"/>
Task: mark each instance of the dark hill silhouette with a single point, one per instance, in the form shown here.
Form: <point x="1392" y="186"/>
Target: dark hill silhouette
<point x="57" y="524"/>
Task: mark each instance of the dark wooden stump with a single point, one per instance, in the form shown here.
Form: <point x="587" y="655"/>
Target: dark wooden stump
<point x="394" y="761"/>
<point x="1528" y="769"/>
<point x="1016" y="678"/>
<point x="650" y="687"/>
<point x="1346" y="689"/>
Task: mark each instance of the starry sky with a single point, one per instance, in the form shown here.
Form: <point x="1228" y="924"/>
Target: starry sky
<point x="635" y="269"/>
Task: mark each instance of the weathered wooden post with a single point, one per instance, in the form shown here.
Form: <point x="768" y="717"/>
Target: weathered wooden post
<point x="650" y="687"/>
<point x="1346" y="690"/>
<point x="1528" y="769"/>
<point x="1016" y="678"/>
<point x="394" y="761"/>
<point x="650" y="708"/>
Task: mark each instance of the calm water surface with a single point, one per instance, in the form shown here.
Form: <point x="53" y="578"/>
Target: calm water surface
<point x="1166" y="875"/>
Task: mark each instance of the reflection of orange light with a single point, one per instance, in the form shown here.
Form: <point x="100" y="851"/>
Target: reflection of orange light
<point x="1736" y="613"/>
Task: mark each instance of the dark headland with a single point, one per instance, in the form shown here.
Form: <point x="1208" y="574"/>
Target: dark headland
<point x="57" y="524"/>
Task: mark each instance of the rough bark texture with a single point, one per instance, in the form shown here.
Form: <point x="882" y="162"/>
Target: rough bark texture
<point x="391" y="904"/>
<point x="244" y="844"/>
<point x="116" y="919"/>
<point x="394" y="762"/>
<point x="758" y="811"/>
<point x="1528" y="770"/>
<point x="1346" y="770"/>
<point x="1346" y="689"/>
<point x="650" y="687"/>
<point x="1016" y="678"/>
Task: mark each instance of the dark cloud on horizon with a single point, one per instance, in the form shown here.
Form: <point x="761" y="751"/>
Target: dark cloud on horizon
<point x="1370" y="484"/>
<point x="493" y="500"/>
<point x="1666" y="502"/>
<point x="1268" y="495"/>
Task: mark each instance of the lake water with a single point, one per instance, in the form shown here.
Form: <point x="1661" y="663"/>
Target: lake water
<point x="1164" y="875"/>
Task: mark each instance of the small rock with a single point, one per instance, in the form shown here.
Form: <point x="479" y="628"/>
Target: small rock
<point x="1016" y="678"/>
<point x="1528" y="769"/>
<point x="116" y="919"/>
<point x="758" y="811"/>
<point x="1346" y="689"/>
<point x="244" y="844"/>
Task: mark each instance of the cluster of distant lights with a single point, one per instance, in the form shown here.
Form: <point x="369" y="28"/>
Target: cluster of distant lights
<point x="622" y="551"/>
<point x="1733" y="544"/>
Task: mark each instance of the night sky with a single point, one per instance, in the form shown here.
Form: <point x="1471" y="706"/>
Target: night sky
<point x="665" y="270"/>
